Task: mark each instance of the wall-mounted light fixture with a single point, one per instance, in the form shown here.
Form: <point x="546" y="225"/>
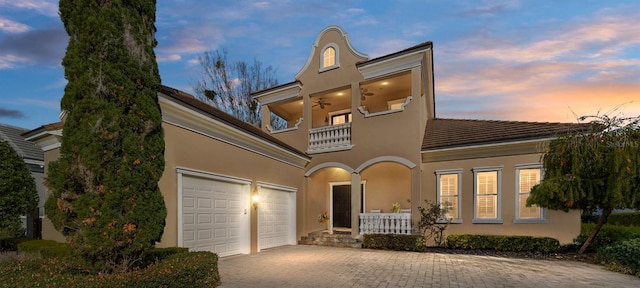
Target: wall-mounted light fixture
<point x="255" y="201"/>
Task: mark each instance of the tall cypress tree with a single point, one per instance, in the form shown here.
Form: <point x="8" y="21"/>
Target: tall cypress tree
<point x="105" y="196"/>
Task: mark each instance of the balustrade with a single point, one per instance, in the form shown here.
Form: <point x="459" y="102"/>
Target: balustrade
<point x="330" y="138"/>
<point x="385" y="223"/>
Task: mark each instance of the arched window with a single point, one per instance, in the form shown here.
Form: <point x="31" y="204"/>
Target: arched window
<point x="329" y="57"/>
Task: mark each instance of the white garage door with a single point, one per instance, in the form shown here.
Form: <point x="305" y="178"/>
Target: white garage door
<point x="214" y="216"/>
<point x="276" y="218"/>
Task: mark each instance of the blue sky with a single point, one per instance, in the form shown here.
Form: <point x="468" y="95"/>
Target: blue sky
<point x="505" y="60"/>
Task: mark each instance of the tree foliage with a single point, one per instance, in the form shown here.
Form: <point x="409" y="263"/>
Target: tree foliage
<point x="592" y="170"/>
<point x="105" y="196"/>
<point x="18" y="194"/>
<point x="228" y="85"/>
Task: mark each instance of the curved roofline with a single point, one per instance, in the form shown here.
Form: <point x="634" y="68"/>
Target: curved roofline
<point x="344" y="35"/>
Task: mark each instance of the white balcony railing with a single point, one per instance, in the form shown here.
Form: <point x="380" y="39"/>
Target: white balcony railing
<point x="385" y="223"/>
<point x="330" y="138"/>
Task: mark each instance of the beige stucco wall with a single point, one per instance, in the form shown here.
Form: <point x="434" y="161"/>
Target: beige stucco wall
<point x="186" y="149"/>
<point x="562" y="226"/>
<point x="48" y="231"/>
<point x="387" y="183"/>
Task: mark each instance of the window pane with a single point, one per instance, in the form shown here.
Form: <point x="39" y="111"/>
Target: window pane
<point x="527" y="179"/>
<point x="487" y="207"/>
<point x="527" y="212"/>
<point x="451" y="205"/>
<point x="449" y="184"/>
<point x="487" y="183"/>
<point x="329" y="57"/>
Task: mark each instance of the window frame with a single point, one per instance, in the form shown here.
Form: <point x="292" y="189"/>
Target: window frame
<point x="458" y="172"/>
<point x="542" y="219"/>
<point x="336" y="56"/>
<point x="498" y="219"/>
<point x="345" y="112"/>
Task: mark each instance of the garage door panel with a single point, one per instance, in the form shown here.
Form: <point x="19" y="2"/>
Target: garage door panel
<point x="216" y="208"/>
<point x="275" y="218"/>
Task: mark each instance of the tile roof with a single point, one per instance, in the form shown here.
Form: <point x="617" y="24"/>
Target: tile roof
<point x="449" y="133"/>
<point x="24" y="148"/>
<point x="190" y="100"/>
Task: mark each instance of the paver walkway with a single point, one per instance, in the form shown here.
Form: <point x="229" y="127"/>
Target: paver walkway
<point x="316" y="266"/>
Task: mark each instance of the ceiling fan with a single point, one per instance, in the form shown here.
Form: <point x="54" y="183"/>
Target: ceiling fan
<point x="321" y="102"/>
<point x="364" y="92"/>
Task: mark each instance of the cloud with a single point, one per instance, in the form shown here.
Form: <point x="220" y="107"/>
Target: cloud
<point x="598" y="38"/>
<point x="33" y="47"/>
<point x="10" y="26"/>
<point x="487" y="8"/>
<point x="8" y="113"/>
<point x="168" y="58"/>
<point x="44" y="7"/>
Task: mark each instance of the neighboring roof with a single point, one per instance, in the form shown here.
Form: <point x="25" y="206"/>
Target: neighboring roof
<point x="189" y="100"/>
<point x="24" y="148"/>
<point x="449" y="133"/>
<point x="418" y="47"/>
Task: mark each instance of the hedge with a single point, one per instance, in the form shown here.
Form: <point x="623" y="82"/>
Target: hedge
<point x="624" y="219"/>
<point x="503" y="243"/>
<point x="624" y="254"/>
<point x="395" y="242"/>
<point x="44" y="248"/>
<point x="11" y="244"/>
<point x="196" y="269"/>
<point x="607" y="236"/>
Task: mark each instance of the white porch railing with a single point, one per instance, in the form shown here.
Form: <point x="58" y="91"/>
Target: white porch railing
<point x="330" y="138"/>
<point x="385" y="223"/>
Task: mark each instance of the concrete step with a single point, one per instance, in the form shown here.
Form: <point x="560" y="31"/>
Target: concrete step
<point x="335" y="239"/>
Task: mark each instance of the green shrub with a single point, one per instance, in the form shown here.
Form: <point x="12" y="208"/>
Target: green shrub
<point x="624" y="219"/>
<point x="158" y="254"/>
<point x="625" y="253"/>
<point x="503" y="243"/>
<point x="11" y="244"/>
<point x="608" y="235"/>
<point x="197" y="269"/>
<point x="395" y="242"/>
<point x="45" y="248"/>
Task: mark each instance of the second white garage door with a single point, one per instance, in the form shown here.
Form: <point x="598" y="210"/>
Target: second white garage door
<point x="276" y="217"/>
<point x="214" y="216"/>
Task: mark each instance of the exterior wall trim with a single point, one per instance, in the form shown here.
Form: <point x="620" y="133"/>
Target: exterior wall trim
<point x="395" y="159"/>
<point x="188" y="119"/>
<point x="295" y="127"/>
<point x="315" y="45"/>
<point x="392" y="65"/>
<point x="367" y="114"/>
<point x="327" y="165"/>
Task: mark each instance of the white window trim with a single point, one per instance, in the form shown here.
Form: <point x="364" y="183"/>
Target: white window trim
<point x="543" y="219"/>
<point x="457" y="220"/>
<point x="497" y="220"/>
<point x="337" y="58"/>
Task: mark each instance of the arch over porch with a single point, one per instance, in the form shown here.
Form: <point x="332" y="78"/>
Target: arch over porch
<point x="380" y="159"/>
<point x="328" y="165"/>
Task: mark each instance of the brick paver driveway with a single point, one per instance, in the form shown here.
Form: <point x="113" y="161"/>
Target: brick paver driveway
<point x="315" y="266"/>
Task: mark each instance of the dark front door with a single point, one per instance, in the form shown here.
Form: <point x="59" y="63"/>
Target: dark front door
<point x="342" y="206"/>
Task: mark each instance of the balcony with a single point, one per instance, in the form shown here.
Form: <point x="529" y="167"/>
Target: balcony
<point x="330" y="138"/>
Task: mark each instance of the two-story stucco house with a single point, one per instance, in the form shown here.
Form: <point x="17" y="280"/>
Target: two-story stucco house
<point x="362" y="135"/>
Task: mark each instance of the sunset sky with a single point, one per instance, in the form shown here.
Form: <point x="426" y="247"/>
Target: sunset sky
<point x="503" y="60"/>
